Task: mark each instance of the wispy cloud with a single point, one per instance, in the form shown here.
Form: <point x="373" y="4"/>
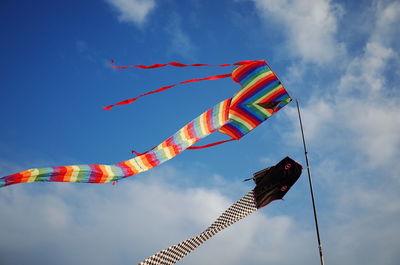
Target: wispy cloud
<point x="362" y="112"/>
<point x="310" y="27"/>
<point x="72" y="216"/>
<point x="352" y="128"/>
<point x="133" y="11"/>
<point x="180" y="42"/>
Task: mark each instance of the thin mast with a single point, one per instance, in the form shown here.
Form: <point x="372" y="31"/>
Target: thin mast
<point x="311" y="187"/>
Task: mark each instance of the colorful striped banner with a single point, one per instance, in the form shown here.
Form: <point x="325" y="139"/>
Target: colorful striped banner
<point x="261" y="96"/>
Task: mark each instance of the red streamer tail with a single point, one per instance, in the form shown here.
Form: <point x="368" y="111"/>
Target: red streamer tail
<point x="176" y="64"/>
<point x="128" y="101"/>
<point x="209" y="145"/>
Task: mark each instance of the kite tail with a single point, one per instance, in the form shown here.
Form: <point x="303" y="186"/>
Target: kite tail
<point x="243" y="207"/>
<point x="205" y="124"/>
<point x="75" y="173"/>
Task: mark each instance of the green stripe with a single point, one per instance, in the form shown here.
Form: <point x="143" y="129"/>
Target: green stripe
<point x="257" y="77"/>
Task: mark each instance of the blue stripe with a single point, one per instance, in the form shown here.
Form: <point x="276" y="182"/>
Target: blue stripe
<point x="244" y="75"/>
<point x="86" y="173"/>
<point x="254" y="74"/>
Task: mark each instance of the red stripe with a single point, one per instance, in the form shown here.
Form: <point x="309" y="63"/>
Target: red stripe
<point x="58" y="174"/>
<point x="238" y="72"/>
<point x="13" y="179"/>
<point x="186" y="132"/>
<point x="255" y="87"/>
<point x="245" y="115"/>
<point x="126" y="169"/>
<point x="226" y="129"/>
<point x="176" y="149"/>
<point x="191" y="131"/>
<point x="128" y="101"/>
<point x="274" y="95"/>
<point x="151" y="159"/>
<point x="209" y="117"/>
<point x="96" y="174"/>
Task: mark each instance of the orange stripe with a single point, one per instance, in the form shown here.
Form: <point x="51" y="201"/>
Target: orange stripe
<point x="104" y="175"/>
<point x="208" y="122"/>
<point x="145" y="162"/>
<point x="132" y="168"/>
<point x="274" y="94"/>
<point x="185" y="133"/>
<point x="244" y="117"/>
<point x="228" y="131"/>
<point x="225" y="112"/>
<point x="242" y="69"/>
<point x="68" y="174"/>
<point x="128" y="169"/>
<point x="23" y="176"/>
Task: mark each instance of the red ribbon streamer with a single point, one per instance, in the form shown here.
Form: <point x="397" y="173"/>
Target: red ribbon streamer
<point x="128" y="101"/>
<point x="190" y="147"/>
<point x="209" y="145"/>
<point x="176" y="64"/>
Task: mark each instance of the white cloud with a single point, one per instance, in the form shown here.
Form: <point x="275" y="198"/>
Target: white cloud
<point x="310" y="27"/>
<point x="352" y="126"/>
<point x="102" y="224"/>
<point x="133" y="11"/>
<point x="388" y="19"/>
<point x="365" y="74"/>
<point x="180" y="43"/>
<point x="110" y="225"/>
<point x="362" y="113"/>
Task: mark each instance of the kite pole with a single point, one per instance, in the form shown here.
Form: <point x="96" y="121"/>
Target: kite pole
<point x="311" y="187"/>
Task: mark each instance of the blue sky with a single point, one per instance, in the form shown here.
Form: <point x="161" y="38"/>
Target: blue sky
<point x="339" y="58"/>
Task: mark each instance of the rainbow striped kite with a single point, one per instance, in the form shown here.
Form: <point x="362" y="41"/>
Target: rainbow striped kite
<point x="261" y="95"/>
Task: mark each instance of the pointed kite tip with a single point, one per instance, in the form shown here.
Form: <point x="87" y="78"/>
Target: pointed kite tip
<point x="108" y="107"/>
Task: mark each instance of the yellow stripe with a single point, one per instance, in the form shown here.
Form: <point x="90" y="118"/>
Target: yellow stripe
<point x="221" y="113"/>
<point x="75" y="172"/>
<point x="202" y="121"/>
<point x="133" y="163"/>
<point x="237" y="118"/>
<point x="140" y="161"/>
<point x="109" y="173"/>
<point x="34" y="173"/>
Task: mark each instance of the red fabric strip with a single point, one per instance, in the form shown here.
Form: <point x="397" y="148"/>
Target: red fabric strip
<point x="209" y="145"/>
<point x="176" y="64"/>
<point x="139" y="154"/>
<point x="128" y="101"/>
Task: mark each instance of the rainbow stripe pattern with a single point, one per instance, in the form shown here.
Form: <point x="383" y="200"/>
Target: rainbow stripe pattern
<point x="261" y="96"/>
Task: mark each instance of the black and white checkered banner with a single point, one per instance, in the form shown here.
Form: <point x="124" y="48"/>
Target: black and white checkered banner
<point x="237" y="211"/>
<point x="271" y="184"/>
